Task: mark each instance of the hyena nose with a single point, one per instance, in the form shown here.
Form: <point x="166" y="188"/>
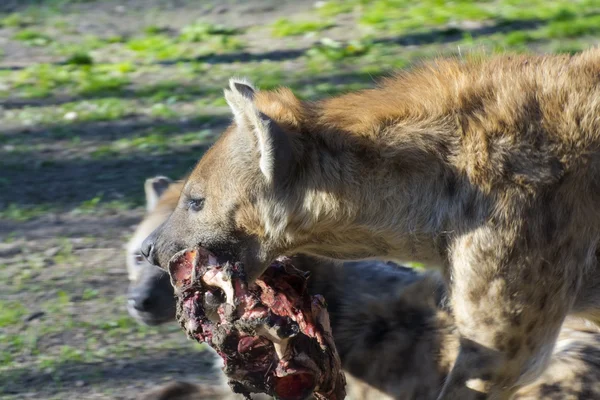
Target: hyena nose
<point x="148" y="250"/>
<point x="141" y="302"/>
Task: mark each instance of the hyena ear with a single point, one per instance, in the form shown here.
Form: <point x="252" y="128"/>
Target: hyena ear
<point x="273" y="143"/>
<point x="154" y="188"/>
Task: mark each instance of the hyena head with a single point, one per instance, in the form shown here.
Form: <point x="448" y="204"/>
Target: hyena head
<point x="234" y="202"/>
<point x="264" y="189"/>
<point x="150" y="296"/>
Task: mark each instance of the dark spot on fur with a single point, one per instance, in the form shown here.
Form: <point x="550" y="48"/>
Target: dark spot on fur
<point x="469" y="208"/>
<point x="515" y="319"/>
<point x="513" y="347"/>
<point x="486" y="376"/>
<point x="377" y="332"/>
<point x="530" y="327"/>
<point x="450" y="186"/>
<point x="548" y="390"/>
<point x="488" y="321"/>
<point x="459" y="377"/>
<point x="574" y="284"/>
<point x="476" y="294"/>
<point x="499" y="341"/>
<point x="469" y="347"/>
<point x="531" y="344"/>
<point x="542" y="302"/>
<point x="527" y="276"/>
<point x="587" y="393"/>
<point x="480" y="396"/>
<point x="358" y="367"/>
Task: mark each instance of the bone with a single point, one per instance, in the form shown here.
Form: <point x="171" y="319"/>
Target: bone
<point x="217" y="278"/>
<point x="280" y="344"/>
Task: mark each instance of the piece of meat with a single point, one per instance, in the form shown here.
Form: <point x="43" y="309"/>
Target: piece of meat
<point x="273" y="336"/>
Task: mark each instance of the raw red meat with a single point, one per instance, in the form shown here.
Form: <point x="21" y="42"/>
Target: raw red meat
<point x="273" y="336"/>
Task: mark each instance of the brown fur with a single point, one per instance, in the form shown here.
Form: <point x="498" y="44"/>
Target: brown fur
<point x="396" y="335"/>
<point x="489" y="169"/>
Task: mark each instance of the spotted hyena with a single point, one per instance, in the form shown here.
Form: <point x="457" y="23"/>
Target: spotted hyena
<point x="486" y="168"/>
<point x="393" y="326"/>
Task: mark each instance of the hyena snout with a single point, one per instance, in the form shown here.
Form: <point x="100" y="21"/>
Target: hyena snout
<point x="151" y="300"/>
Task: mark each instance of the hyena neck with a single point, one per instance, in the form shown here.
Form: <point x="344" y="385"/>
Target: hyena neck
<point x="377" y="192"/>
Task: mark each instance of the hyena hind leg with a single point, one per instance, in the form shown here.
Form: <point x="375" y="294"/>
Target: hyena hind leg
<point x="509" y="306"/>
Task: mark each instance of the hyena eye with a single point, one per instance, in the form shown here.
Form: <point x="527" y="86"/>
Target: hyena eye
<point x="196" y="204"/>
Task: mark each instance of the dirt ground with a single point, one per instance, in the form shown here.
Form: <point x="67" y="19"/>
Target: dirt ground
<point x="96" y="96"/>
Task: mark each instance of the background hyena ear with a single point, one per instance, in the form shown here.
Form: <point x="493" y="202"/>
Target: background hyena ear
<point x="154" y="188"/>
<point x="273" y="144"/>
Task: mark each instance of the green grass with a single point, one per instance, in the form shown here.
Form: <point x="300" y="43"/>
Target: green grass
<point x="201" y="31"/>
<point x="575" y="27"/>
<point x="192" y="41"/>
<point x="334" y="8"/>
<point x="80" y="58"/>
<point x="43" y="80"/>
<point x="11" y="313"/>
<point x="284" y="27"/>
<point x="16" y="20"/>
<point x="16" y="212"/>
<point x="157" y="141"/>
<point x="32" y="38"/>
<point x="333" y="50"/>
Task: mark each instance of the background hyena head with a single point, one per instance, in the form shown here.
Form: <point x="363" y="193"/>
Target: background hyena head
<point x="150" y="297"/>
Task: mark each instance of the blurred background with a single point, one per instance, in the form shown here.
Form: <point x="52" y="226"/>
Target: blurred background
<point x="96" y="96"/>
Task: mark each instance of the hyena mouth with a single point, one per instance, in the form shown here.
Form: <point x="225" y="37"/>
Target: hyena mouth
<point x="273" y="337"/>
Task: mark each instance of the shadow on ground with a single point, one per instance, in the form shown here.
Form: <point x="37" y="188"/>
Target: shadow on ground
<point x="119" y="371"/>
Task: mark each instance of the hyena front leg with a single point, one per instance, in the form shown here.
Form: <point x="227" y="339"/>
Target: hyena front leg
<point x="509" y="303"/>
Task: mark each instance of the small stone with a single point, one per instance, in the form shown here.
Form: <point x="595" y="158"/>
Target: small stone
<point x="70" y="116"/>
<point x="79" y="383"/>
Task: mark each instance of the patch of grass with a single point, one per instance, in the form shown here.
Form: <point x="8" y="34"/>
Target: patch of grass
<point x="70" y="354"/>
<point x="402" y="15"/>
<point x="284" y="27"/>
<point x="518" y="38"/>
<point x="11" y="313"/>
<point x="333" y="50"/>
<point x="86" y="44"/>
<point x="200" y="31"/>
<point x="89" y="294"/>
<point x="575" y="27"/>
<point x="332" y="8"/>
<point x="64" y="256"/>
<point x="32" y="38"/>
<point x="108" y="109"/>
<point x="17" y="344"/>
<point x="21" y="213"/>
<point x="17" y="20"/>
<point x="41" y="80"/>
<point x="97" y="205"/>
<point x="156" y="141"/>
<point x="80" y="58"/>
<point x="161" y="110"/>
<point x="567" y="48"/>
<point x="195" y="40"/>
<point x="154" y="30"/>
<point x="158" y="46"/>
